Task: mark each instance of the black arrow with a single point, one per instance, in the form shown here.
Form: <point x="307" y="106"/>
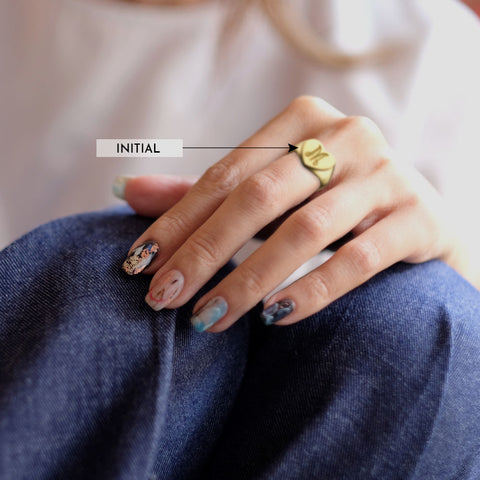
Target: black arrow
<point x="290" y="147"/>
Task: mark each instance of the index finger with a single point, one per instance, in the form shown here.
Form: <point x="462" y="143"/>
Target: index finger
<point x="301" y="119"/>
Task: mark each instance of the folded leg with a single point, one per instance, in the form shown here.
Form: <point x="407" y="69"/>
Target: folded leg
<point x="382" y="384"/>
<point x="94" y="383"/>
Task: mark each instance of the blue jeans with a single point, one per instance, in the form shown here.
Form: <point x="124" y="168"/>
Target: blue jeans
<point x="382" y="384"/>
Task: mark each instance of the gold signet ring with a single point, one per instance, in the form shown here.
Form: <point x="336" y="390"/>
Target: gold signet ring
<point x="314" y="157"/>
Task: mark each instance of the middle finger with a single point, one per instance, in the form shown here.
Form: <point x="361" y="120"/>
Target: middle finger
<point x="305" y="233"/>
<point x="254" y="203"/>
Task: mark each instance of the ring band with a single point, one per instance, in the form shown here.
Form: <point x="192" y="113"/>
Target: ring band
<point x="315" y="158"/>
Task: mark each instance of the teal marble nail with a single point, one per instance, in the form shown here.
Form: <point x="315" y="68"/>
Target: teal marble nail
<point x="119" y="185"/>
<point x="277" y="311"/>
<point x="209" y="314"/>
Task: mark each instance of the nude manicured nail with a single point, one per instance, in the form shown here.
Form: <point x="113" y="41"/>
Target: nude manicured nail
<point x="140" y="258"/>
<point x="119" y="185"/>
<point x="167" y="288"/>
<point x="277" y="311"/>
<point x="209" y="314"/>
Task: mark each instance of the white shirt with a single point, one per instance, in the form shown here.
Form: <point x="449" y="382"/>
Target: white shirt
<point x="73" y="71"/>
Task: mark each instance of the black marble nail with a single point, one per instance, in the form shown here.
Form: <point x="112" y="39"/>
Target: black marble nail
<point x="277" y="311"/>
<point x="140" y="258"/>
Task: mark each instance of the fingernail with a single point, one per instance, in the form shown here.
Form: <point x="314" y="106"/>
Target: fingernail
<point x="140" y="258"/>
<point x="119" y="185"/>
<point x="166" y="289"/>
<point x="209" y="314"/>
<point x="277" y="311"/>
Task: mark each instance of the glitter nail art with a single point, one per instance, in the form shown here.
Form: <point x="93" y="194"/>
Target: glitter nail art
<point x="277" y="311"/>
<point x="209" y="314"/>
<point x="167" y="288"/>
<point x="140" y="258"/>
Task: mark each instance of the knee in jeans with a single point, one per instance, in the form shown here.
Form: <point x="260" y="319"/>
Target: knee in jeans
<point x="407" y="321"/>
<point x="402" y="312"/>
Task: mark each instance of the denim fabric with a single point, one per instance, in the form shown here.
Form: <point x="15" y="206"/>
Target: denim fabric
<point x="382" y="384"/>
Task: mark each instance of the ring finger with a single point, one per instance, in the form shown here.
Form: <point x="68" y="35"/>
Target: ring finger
<point x="306" y="232"/>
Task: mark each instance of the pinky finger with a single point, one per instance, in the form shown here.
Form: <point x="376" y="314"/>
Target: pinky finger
<point x="376" y="249"/>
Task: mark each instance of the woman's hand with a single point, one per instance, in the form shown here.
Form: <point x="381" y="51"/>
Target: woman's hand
<point x="392" y="211"/>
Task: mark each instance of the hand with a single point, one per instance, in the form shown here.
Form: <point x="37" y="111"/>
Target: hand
<point x="392" y="211"/>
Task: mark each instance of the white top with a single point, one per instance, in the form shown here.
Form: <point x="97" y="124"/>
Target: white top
<point x="72" y="71"/>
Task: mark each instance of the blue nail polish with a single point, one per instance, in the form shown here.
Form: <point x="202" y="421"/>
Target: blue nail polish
<point x="277" y="311"/>
<point x="209" y="314"/>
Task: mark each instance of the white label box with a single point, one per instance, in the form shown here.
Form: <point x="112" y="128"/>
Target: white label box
<point x="139" y="147"/>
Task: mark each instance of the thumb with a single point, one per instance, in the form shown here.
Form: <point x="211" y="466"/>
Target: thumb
<point x="152" y="195"/>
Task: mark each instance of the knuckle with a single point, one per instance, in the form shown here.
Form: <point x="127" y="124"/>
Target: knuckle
<point x="382" y="162"/>
<point x="250" y="280"/>
<point x="310" y="112"/>
<point x="260" y="189"/>
<point x="220" y="178"/>
<point x="316" y="287"/>
<point x="404" y="190"/>
<point x="416" y="202"/>
<point x="364" y="256"/>
<point x="412" y="197"/>
<point x="362" y="125"/>
<point x="364" y="131"/>
<point x="381" y="166"/>
<point x="305" y="103"/>
<point x="412" y="201"/>
<point x="311" y="222"/>
<point x="401" y="190"/>
<point x="175" y="222"/>
<point x="306" y="108"/>
<point x="205" y="248"/>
